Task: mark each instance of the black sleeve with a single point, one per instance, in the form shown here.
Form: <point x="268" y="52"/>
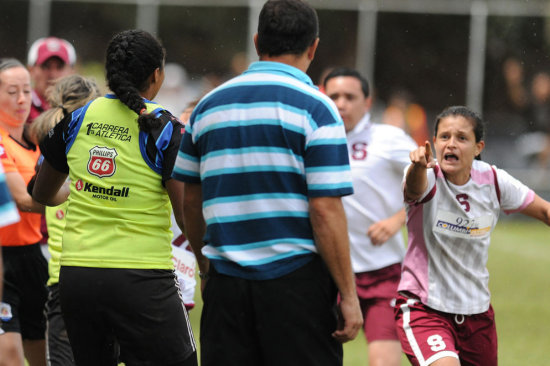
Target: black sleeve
<point x="167" y="138"/>
<point x="53" y="146"/>
<point x="171" y="152"/>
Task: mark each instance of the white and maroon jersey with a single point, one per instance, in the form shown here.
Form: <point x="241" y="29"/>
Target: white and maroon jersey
<point x="449" y="235"/>
<point x="378" y="153"/>
<point x="184" y="265"/>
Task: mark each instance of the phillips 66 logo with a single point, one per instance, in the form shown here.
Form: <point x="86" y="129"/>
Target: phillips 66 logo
<point x="102" y="161"/>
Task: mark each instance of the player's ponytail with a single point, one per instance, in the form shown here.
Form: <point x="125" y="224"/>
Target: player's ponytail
<point x="132" y="57"/>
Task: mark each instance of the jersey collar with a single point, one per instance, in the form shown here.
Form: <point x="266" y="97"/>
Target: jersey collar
<point x="279" y="68"/>
<point x="364" y="124"/>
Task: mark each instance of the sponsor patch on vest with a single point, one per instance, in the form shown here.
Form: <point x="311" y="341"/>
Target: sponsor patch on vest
<point x="109" y="131"/>
<point x="111" y="193"/>
<point x="102" y="161"/>
<point x="60" y="214"/>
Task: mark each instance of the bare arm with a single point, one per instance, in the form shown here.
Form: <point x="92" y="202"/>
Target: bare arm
<point x="329" y="224"/>
<point x="416" y="180"/>
<point x="381" y="231"/>
<point x="50" y="188"/>
<point x="539" y="209"/>
<point x="21" y="197"/>
<point x="195" y="227"/>
<point x="174" y="188"/>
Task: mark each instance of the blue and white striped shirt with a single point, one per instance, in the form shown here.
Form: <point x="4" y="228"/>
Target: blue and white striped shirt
<point x="261" y="145"/>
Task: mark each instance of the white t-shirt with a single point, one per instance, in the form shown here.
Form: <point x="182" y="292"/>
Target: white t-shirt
<point x="449" y="236"/>
<point x="378" y="153"/>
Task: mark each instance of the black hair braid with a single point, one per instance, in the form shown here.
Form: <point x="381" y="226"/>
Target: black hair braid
<point x="132" y="56"/>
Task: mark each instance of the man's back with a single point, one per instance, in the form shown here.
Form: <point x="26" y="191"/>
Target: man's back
<point x="257" y="139"/>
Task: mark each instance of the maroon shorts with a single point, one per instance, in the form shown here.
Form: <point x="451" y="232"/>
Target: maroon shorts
<point x="427" y="335"/>
<point x="377" y="291"/>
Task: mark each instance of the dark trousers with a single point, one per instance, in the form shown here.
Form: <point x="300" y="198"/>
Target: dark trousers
<point x="285" y="321"/>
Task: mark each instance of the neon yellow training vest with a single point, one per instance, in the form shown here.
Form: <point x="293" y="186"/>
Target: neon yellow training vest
<point x="119" y="212"/>
<point x="55" y="220"/>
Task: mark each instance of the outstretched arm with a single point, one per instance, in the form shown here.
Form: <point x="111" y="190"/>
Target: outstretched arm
<point x="539" y="209"/>
<point x="328" y="220"/>
<point x="416" y="180"/>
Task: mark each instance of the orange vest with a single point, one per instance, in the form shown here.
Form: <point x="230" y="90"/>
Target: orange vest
<point x="21" y="160"/>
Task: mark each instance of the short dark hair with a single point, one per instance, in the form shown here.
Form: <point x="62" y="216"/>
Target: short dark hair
<point x="286" y="27"/>
<point x="478" y="125"/>
<point x="345" y="71"/>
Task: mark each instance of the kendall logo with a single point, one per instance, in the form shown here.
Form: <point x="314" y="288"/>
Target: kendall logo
<point x="111" y="193"/>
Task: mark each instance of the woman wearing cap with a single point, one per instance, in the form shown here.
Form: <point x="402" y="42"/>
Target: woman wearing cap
<point x="117" y="284"/>
<point x="25" y="268"/>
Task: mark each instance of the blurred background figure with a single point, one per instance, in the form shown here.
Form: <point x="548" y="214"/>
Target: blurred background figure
<point x="378" y="154"/>
<point x="514" y="78"/>
<point x="402" y="112"/>
<point x="538" y="119"/>
<point x="185" y="261"/>
<point x="49" y="59"/>
<point x="177" y="90"/>
<point x="532" y="103"/>
<point x="184" y="116"/>
<point x="239" y="63"/>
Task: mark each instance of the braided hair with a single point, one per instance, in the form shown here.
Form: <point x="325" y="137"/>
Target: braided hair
<point x="132" y="56"/>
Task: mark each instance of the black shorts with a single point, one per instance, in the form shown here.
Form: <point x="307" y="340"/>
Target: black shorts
<point x="58" y="347"/>
<point x="285" y="321"/>
<point x="136" y="312"/>
<point x="25" y="277"/>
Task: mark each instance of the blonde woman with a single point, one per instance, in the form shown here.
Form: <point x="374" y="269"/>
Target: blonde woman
<point x="67" y="95"/>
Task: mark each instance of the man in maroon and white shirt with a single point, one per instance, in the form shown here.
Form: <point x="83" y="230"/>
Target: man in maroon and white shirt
<point x="378" y="153"/>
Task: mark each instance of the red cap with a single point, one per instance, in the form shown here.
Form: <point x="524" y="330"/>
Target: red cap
<point x="45" y="48"/>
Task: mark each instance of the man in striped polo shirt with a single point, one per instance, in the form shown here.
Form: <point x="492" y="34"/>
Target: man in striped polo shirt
<point x="264" y="161"/>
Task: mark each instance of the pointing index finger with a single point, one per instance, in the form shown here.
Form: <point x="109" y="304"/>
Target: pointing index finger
<point x="428" y="150"/>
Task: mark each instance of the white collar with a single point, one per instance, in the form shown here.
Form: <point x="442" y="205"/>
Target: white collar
<point x="363" y="124"/>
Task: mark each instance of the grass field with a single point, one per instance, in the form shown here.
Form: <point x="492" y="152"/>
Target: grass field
<point x="519" y="265"/>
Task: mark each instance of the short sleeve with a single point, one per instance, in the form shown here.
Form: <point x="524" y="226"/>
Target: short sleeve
<point x="514" y="195"/>
<point x="53" y="146"/>
<point x="161" y="144"/>
<point x="171" y="150"/>
<point x="326" y="162"/>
